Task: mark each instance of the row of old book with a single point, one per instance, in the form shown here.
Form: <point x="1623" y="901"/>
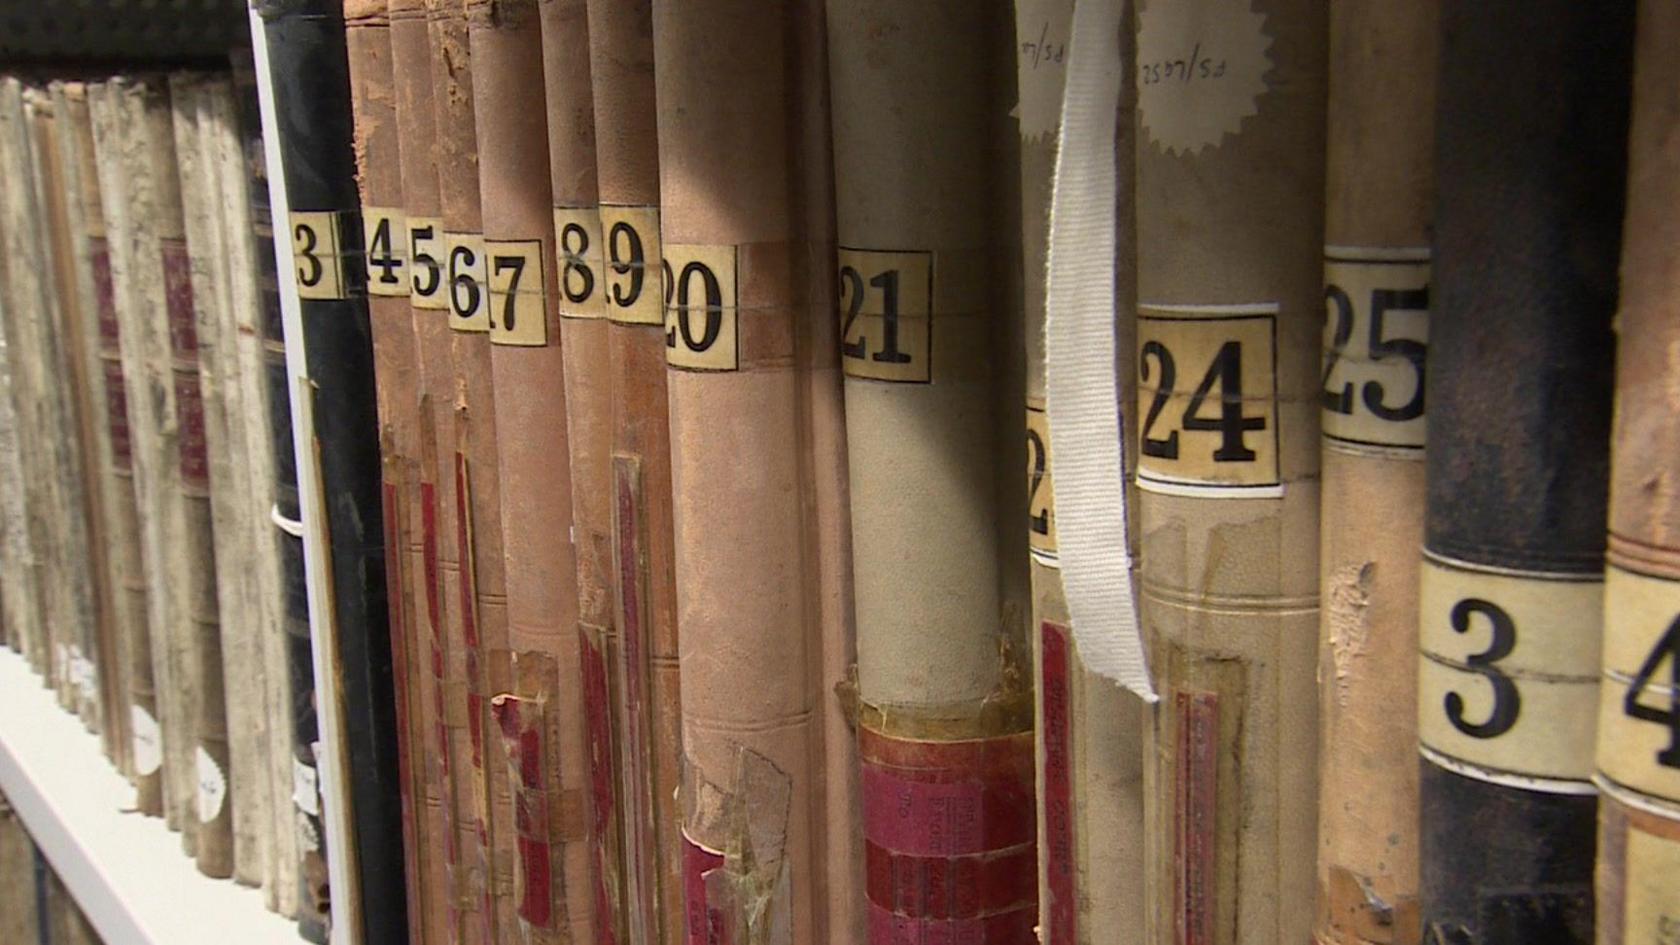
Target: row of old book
<point x="665" y="364"/>
<point x="149" y="520"/>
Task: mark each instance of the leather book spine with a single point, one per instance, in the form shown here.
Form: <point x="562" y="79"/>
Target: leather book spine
<point x="418" y="634"/>
<point x="945" y="723"/>
<point x="208" y="803"/>
<point x="307" y="60"/>
<point x="527" y="369"/>
<point x="1089" y="731"/>
<point x="1511" y="586"/>
<point x="277" y="552"/>
<point x="19" y="596"/>
<point x="18" y="921"/>
<point x="745" y="232"/>
<point x="1638" y="770"/>
<point x="113" y="539"/>
<point x="1379" y="199"/>
<point x="132" y="432"/>
<point x="83" y="553"/>
<point x="55" y="459"/>
<point x="637" y="776"/>
<point x="27" y="582"/>
<point x="1230" y="223"/>
<point x="581" y="284"/>
<point x="472" y="449"/>
<point x="239" y="785"/>
<point x="427" y="292"/>
<point x="141" y="193"/>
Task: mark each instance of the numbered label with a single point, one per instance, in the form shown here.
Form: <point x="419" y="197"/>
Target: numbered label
<point x="517" y="313"/>
<point x="385" y="250"/>
<point x="701" y="308"/>
<point x="1207" y="390"/>
<point x="1639" y="707"/>
<point x="577" y="250"/>
<point x="428" y="285"/>
<point x="633" y="293"/>
<point x="1041" y="498"/>
<point x="1508" y="681"/>
<point x="886" y="315"/>
<point x="1376" y="345"/>
<point x="317" y="257"/>
<point x="465" y="275"/>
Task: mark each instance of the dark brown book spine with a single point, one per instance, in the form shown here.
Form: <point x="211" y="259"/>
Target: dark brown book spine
<point x="1528" y="219"/>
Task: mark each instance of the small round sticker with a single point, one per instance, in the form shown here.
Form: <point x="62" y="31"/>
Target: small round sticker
<point x="212" y="787"/>
<point x="148" y="742"/>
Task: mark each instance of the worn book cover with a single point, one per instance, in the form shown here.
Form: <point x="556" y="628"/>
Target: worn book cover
<point x="760" y="566"/>
<point x="1230" y="222"/>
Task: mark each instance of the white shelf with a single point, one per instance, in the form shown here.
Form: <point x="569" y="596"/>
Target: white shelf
<point x="125" y="870"/>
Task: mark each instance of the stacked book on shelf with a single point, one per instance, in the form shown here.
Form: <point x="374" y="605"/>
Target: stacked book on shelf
<point x="686" y="386"/>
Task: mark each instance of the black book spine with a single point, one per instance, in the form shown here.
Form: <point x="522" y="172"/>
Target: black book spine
<point x="308" y="67"/>
<point x="1531" y="148"/>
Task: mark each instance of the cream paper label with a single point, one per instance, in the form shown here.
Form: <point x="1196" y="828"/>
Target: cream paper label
<point x="1041" y="45"/>
<point x="1639" y="725"/>
<point x="306" y="795"/>
<point x="886" y="315"/>
<point x="577" y="251"/>
<point x="148" y="741"/>
<point x="701" y="308"/>
<point x="1376" y="347"/>
<point x="1508" y="681"/>
<point x="385" y="250"/>
<point x="518" y="313"/>
<point x="465" y="277"/>
<point x="1651" y="912"/>
<point x="317" y="263"/>
<point x="212" y="787"/>
<point x="427" y="287"/>
<point x="1202" y="67"/>
<point x="634" y="293"/>
<point x="1041" y="490"/>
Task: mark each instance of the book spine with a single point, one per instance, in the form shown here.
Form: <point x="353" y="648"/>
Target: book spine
<point x="105" y="421"/>
<point x="423" y="284"/>
<point x="235" y="785"/>
<point x="132" y="433"/>
<point x="527" y="369"/>
<point x="277" y="551"/>
<point x="1638" y="769"/>
<point x="18" y="919"/>
<point x="25" y="591"/>
<point x="638" y="776"/>
<point x="1379" y="194"/>
<point x="581" y="284"/>
<point x="1511" y="586"/>
<point x="83" y="556"/>
<point x="483" y="589"/>
<point x="750" y="349"/>
<point x="307" y="59"/>
<point x="924" y="264"/>
<point x="1230" y="211"/>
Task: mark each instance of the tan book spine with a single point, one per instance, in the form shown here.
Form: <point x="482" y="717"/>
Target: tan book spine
<point x="20" y="607"/>
<point x="105" y="420"/>
<point x="581" y="283"/>
<point x="761" y="546"/>
<point x="83" y="556"/>
<point x="927" y="262"/>
<point x="210" y="802"/>
<point x="1090" y="731"/>
<point x="134" y="444"/>
<point x="527" y="367"/>
<point x="1230" y="208"/>
<point x="639" y="774"/>
<point x="245" y="784"/>
<point x="1379" y="203"/>
<point x="23" y="302"/>
<point x="427" y="290"/>
<point x="483" y="590"/>
<point x="1639" y="718"/>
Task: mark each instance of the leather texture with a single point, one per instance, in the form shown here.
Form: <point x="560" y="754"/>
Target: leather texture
<point x="1229" y="583"/>
<point x="1527" y="226"/>
<point x="307" y="62"/>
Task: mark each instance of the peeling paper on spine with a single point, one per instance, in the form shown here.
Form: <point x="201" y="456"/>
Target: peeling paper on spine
<point x="1083" y="397"/>
<point x="950" y="844"/>
<point x="741" y="894"/>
